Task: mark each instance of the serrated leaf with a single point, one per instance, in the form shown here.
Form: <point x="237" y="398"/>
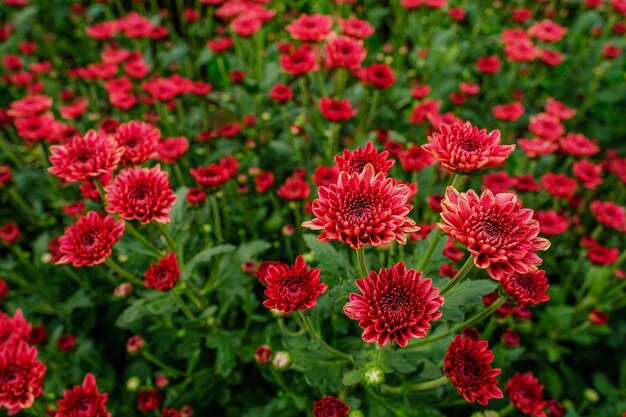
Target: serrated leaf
<point x="352" y="377"/>
<point x="204" y="256"/>
<point x="465" y="294"/>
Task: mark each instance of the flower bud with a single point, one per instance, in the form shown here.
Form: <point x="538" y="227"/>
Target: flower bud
<point x="134" y="344"/>
<point x="161" y="381"/>
<point x="281" y="360"/>
<point x="262" y="354"/>
<point x="133" y="383"/>
<point x="374" y="376"/>
<point x="591" y="395"/>
<point x="288" y="230"/>
<point x="123" y="290"/>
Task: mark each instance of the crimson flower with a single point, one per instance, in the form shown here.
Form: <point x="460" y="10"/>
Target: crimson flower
<point x="83" y="401"/>
<point x="330" y="407"/>
<point x="90" y="240"/>
<point x="85" y="157"/>
<point x="310" y="27"/>
<point x="142" y="194"/>
<point x="148" y="400"/>
<point x="394" y="305"/>
<point x="466" y="365"/>
<point x="354" y="162"/>
<point x="526" y="394"/>
<point x="499" y="233"/>
<point x="344" y="52"/>
<point x="362" y="209"/>
<point x="336" y="110"/>
<point x="139" y="141"/>
<point x="13" y="330"/>
<point x="21" y="375"/>
<point x="609" y="214"/>
<point x="292" y="288"/>
<point x="163" y="275"/>
<point x="528" y="288"/>
<point x="465" y="149"/>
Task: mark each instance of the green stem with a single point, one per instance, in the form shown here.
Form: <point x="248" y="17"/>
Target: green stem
<point x="122" y="273"/>
<point x="285" y="330"/>
<point x="141" y="238"/>
<point x="308" y="325"/>
<point x="506" y="410"/>
<point x="217" y="222"/>
<point x="100" y="189"/>
<point x="458" y="181"/>
<point x="333" y="145"/>
<point x="360" y="254"/>
<point x="156" y="361"/>
<point x="168" y="238"/>
<point x="183" y="306"/>
<point x="420" y="386"/>
<point x="431" y="249"/>
<point x="467" y="266"/>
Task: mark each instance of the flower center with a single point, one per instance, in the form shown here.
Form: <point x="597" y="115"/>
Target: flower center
<point x="466" y="370"/>
<point x="396" y="306"/>
<point x="359" y="209"/>
<point x="468" y="145"/>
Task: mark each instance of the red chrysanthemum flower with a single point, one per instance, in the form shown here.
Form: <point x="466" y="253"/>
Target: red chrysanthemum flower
<point x="141" y="194"/>
<point x="83" y="401"/>
<point x="163" y="275"/>
<point x="336" y="110"/>
<point x="170" y="412"/>
<point x="526" y="394"/>
<point x="13" y="330"/>
<point x="551" y="223"/>
<point x="148" y="400"/>
<point x="292" y="288"/>
<point x="363" y="209"/>
<point x="90" y="240"/>
<point x="170" y="149"/>
<point x="21" y="375"/>
<point x="528" y="288"/>
<point x="559" y="185"/>
<point x="139" y="141"/>
<point x="211" y="176"/>
<point x="499" y="233"/>
<point x="467" y="367"/>
<point x="310" y="28"/>
<point x="354" y="162"/>
<point x="330" y="407"/>
<point x="396" y="305"/>
<point x="294" y="188"/>
<point x="344" y="52"/>
<point x="588" y="173"/>
<point x="465" y="149"/>
<point x="415" y="159"/>
<point x="609" y="214"/>
<point x="85" y="157"/>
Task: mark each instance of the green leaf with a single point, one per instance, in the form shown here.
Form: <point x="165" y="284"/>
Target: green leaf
<point x="400" y="361"/>
<point x="330" y="261"/>
<point x="226" y="344"/>
<point x="204" y="256"/>
<point x="250" y="250"/>
<point x="465" y="294"/>
<point x="352" y="377"/>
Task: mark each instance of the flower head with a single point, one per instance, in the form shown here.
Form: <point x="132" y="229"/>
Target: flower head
<point x="363" y="209"/>
<point x="292" y="288"/>
<point x="395" y="304"/>
<point x="336" y="110"/>
<point x="528" y="288"/>
<point x="354" y="162"/>
<point x="142" y="194"/>
<point x="526" y="394"/>
<point x="499" y="233"/>
<point x="330" y="407"/>
<point x="90" y="240"/>
<point x="164" y="274"/>
<point x="467" y="367"/>
<point x="465" y="149"/>
<point x="85" y="157"/>
<point x="21" y="375"/>
<point x="83" y="401"/>
<point x="139" y="141"/>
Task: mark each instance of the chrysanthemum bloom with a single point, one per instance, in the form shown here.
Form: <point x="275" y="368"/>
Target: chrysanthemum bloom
<point x="609" y="214"/>
<point x="602" y="255"/>
<point x="546" y="126"/>
<point x="139" y="141"/>
<point x="394" y="305"/>
<point x="83" y="401"/>
<point x="262" y="270"/>
<point x="537" y="146"/>
<point x="528" y="288"/>
<point x="415" y="159"/>
<point x="330" y="407"/>
<point x="354" y="162"/>
<point x="170" y="412"/>
<point x="13" y="330"/>
<point x="356" y="28"/>
<point x="170" y="149"/>
<point x="576" y="144"/>
<point x="163" y="275"/>
<point x="336" y="110"/>
<point x="551" y="223"/>
<point x="292" y="288"/>
<point x="499" y="233"/>
<point x="324" y="176"/>
<point x="21" y="375"/>
<point x="465" y="149"/>
<point x="9" y="233"/>
<point x="558" y="109"/>
<point x="508" y="112"/>
<point x="294" y="188"/>
<point x="141" y="194"/>
<point x="489" y="64"/>
<point x="300" y="61"/>
<point x="85" y="157"/>
<point x="310" y="28"/>
<point x="526" y="395"/>
<point x="467" y="367"/>
<point x="211" y="176"/>
<point x="588" y="173"/>
<point x="547" y="31"/>
<point x="148" y="400"/>
<point x="559" y="185"/>
<point x="344" y="52"/>
<point x="362" y="209"/>
<point x="379" y="75"/>
<point x="90" y="240"/>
